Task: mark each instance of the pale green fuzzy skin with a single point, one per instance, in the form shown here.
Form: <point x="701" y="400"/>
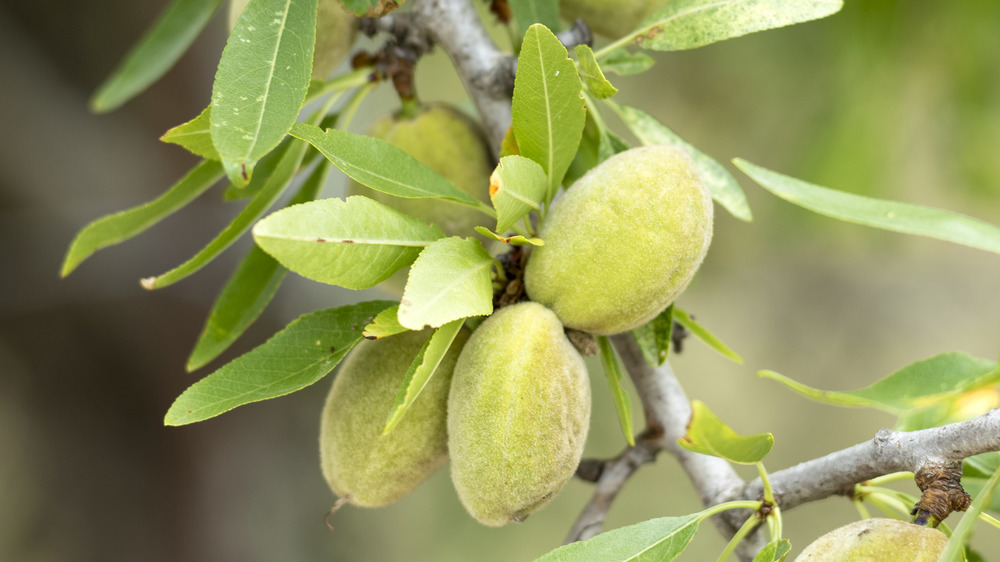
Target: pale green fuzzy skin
<point x="518" y="414"/>
<point x="877" y="540"/>
<point x="359" y="462"/>
<point x="623" y="242"/>
<point x="336" y="31"/>
<point x="610" y="18"/>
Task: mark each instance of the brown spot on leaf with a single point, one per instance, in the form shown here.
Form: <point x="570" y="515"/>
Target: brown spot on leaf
<point x="321" y="239"/>
<point x="494" y="183"/>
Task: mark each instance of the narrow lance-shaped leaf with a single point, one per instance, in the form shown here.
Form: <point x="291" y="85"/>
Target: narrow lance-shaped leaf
<point x="708" y="435"/>
<point x="614" y="373"/>
<point x="687" y="24"/>
<point x="385" y="324"/>
<point x="381" y="166"/>
<point x="195" y="136"/>
<point x="877" y="213"/>
<point x="517" y="187"/>
<point x="548" y="110"/>
<point x="421" y="370"/>
<point x="450" y="280"/>
<point x="155" y="53"/>
<point x="118" y="227"/>
<point x="684" y="319"/>
<point x="261" y="82"/>
<point x="516" y="240"/>
<point x="277" y="183"/>
<point x="528" y="12"/>
<point x="916" y="385"/>
<point x="662" y="539"/>
<point x="654" y="337"/>
<point x="955" y="551"/>
<point x="591" y="74"/>
<point x="294" y="358"/>
<point x="357" y="243"/>
<point x="721" y="184"/>
<point x="248" y="291"/>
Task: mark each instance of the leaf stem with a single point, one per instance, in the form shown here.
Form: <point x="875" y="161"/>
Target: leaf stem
<point x="347" y="114"/>
<point x="741" y="534"/>
<point x="359" y="77"/>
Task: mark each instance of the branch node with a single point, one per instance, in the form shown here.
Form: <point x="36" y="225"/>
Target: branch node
<point x="941" y="484"/>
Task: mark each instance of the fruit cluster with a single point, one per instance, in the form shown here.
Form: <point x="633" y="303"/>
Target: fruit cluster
<point x="510" y="402"/>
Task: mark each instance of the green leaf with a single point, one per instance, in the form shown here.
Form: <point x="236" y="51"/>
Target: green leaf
<point x="684" y="319"/>
<point x="516" y="240"/>
<point x="654" y="337"/>
<point x="385" y="324"/>
<point x="450" y="280"/>
<point x="294" y="358"/>
<point x="357" y="243"/>
<point x="261" y="82"/>
<point x="722" y="185"/>
<point x="687" y="24"/>
<point x="955" y="551"/>
<point x="590" y="73"/>
<point x="155" y="53"/>
<point x="421" y="371"/>
<point x="708" y="435"/>
<point x="549" y="112"/>
<point x="118" y="227"/>
<point x="916" y="385"/>
<point x="276" y="184"/>
<point x="624" y="63"/>
<point x="614" y="372"/>
<point x="775" y="551"/>
<point x="248" y="291"/>
<point x="662" y="539"/>
<point x="528" y="12"/>
<point x="360" y="7"/>
<point x="195" y="136"/>
<point x="517" y="187"/>
<point x="381" y="166"/>
<point x="878" y="213"/>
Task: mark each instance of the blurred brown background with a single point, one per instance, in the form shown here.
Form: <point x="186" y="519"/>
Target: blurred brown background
<point x="892" y="99"/>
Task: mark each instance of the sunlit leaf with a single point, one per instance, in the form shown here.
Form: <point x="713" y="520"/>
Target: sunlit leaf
<point x="614" y="373"/>
<point x="385" y="324"/>
<point x="660" y="540"/>
<point x="356" y="243"/>
<point x="294" y="358"/>
<point x="708" y="435"/>
<point x="591" y="74"/>
<point x="878" y="213"/>
<point x="450" y="280"/>
<point x="154" y="54"/>
<point x="517" y="187"/>
<point x="120" y="226"/>
<point x="684" y="319"/>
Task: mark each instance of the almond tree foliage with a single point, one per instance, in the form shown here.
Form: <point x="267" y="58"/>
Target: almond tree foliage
<point x="279" y="117"/>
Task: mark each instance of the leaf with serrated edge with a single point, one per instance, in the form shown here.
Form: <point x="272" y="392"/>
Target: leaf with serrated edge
<point x="421" y="371"/>
<point x="261" y="81"/>
<point x="249" y="290"/>
<point x="613" y="372"/>
<point x="154" y="54"/>
<point x="120" y="226"/>
<point x="380" y="165"/>
<point x="194" y="136"/>
<point x="276" y="184"/>
<point x="720" y="183"/>
<point x="548" y="109"/>
<point x="916" y="385"/>
<point x="662" y="539"/>
<point x="517" y="187"/>
<point x="516" y="240"/>
<point x="357" y="243"/>
<point x="684" y="319"/>
<point x="385" y="324"/>
<point x="591" y="74"/>
<point x="450" y="280"/>
<point x="294" y="358"/>
<point x="687" y="24"/>
<point x="878" y="213"/>
<point x="708" y="435"/>
<point x="654" y="337"/>
<point x="624" y="63"/>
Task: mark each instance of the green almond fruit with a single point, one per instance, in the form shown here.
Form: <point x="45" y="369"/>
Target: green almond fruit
<point x="518" y="414"/>
<point x="623" y="242"/>
<point x="610" y="18"/>
<point x="877" y="540"/>
<point x="361" y="464"/>
<point x="336" y="30"/>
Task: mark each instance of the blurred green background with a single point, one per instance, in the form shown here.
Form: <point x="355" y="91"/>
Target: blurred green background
<point x="892" y="99"/>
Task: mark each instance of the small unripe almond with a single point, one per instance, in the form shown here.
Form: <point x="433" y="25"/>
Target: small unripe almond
<point x="361" y="464"/>
<point x="877" y="540"/>
<point x="518" y="414"/>
<point x="623" y="242"/>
